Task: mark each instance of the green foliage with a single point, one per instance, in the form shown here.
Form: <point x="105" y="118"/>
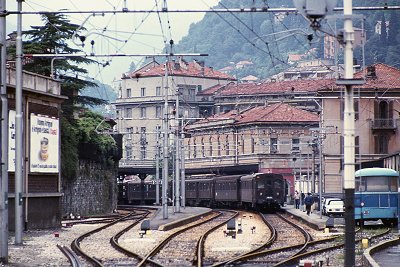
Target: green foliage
<point x="69" y="151"/>
<point x="92" y="145"/>
<point x="53" y="37"/>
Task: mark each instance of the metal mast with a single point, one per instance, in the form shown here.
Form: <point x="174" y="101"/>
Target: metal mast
<point x="4" y="141"/>
<point x="18" y="132"/>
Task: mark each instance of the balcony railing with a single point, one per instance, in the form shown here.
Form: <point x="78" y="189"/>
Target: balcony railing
<point x="383" y="124"/>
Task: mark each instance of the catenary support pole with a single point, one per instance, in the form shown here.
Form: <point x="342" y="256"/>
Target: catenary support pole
<point x="165" y="147"/>
<point x="177" y="153"/>
<point x="183" y="185"/>
<point x="157" y="167"/>
<point x="4" y="141"/>
<point x="18" y="132"/>
<point x="348" y="131"/>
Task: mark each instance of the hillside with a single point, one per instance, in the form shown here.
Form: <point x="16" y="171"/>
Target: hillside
<point x="263" y="38"/>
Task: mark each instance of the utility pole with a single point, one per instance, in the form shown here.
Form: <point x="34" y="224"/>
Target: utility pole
<point x="183" y="186"/>
<point x="3" y="140"/>
<point x="165" y="146"/>
<point x="349" y="133"/>
<point x="158" y="167"/>
<point x="19" y="156"/>
<point x="177" y="153"/>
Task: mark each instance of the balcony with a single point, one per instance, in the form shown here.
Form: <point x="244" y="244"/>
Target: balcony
<point x="384" y="124"/>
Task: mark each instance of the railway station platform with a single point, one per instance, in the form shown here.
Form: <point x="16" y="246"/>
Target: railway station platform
<point x="176" y="219"/>
<point x="314" y="220"/>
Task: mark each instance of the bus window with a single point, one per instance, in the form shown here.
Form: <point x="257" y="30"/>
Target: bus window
<point x="260" y="185"/>
<point x="377" y="184"/>
<point x="360" y="186"/>
<point x="393" y="184"/>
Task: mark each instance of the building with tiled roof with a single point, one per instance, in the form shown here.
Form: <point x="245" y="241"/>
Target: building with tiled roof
<point x="263" y="138"/>
<point x="245" y="95"/>
<point x="377" y="106"/>
<point x="141" y="102"/>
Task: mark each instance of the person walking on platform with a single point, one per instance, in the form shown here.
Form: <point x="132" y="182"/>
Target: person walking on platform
<point x="308" y="201"/>
<point x="296" y="199"/>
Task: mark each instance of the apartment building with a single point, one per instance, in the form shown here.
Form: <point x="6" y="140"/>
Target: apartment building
<point x="377" y="106"/>
<point x="140" y="106"/>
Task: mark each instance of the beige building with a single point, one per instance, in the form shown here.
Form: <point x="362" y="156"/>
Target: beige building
<point x="274" y="138"/>
<point x="377" y="109"/>
<point x="140" y="106"/>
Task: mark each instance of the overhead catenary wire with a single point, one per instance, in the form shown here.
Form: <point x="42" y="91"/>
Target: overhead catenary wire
<point x="236" y="10"/>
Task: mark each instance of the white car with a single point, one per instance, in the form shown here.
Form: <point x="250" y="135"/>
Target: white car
<point x="332" y="206"/>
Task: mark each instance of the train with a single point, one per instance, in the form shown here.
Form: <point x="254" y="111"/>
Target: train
<point x="261" y="191"/>
<point x="377" y="195"/>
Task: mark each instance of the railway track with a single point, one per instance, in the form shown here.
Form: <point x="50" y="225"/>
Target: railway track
<point x="88" y="249"/>
<point x="286" y="231"/>
<point x="181" y="246"/>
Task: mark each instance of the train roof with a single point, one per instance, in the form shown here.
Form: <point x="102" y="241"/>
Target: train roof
<point x="376" y="172"/>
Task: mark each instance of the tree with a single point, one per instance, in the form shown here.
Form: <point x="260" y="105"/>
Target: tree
<point x="53" y="37"/>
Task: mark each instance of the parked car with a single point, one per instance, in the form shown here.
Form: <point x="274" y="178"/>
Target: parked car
<point x="333" y="206"/>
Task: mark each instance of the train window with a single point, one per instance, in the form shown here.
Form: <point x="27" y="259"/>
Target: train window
<point x="260" y="185"/>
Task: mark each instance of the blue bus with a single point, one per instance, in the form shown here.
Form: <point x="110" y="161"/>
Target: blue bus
<point x="377" y="195"/>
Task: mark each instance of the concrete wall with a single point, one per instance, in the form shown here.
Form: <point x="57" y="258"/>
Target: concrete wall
<point x="94" y="191"/>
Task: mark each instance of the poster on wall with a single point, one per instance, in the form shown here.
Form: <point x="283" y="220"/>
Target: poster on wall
<point x="44" y="144"/>
<point x="11" y="141"/>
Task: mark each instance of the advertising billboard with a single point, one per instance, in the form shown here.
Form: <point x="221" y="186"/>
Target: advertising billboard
<point x="44" y="144"/>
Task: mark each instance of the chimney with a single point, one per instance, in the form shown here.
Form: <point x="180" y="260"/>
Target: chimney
<point x="371" y="72"/>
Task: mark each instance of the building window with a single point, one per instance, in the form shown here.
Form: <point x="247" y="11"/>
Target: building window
<point x="129" y="130"/>
<point x="143" y="91"/>
<point x="192" y="94"/>
<point x="128" y="113"/>
<point x="381" y="144"/>
<point x="189" y="148"/>
<point x="356" y="104"/>
<point x="142" y="112"/>
<point x="128" y="151"/>
<point x="227" y="145"/>
<point x="242" y="144"/>
<point x="273" y="145"/>
<point x="128" y="92"/>
<point x="252" y="144"/>
<point x="202" y="147"/>
<point x="219" y="145"/>
<point x="199" y="88"/>
<point x="194" y="148"/>
<point x="143" y="153"/>
<point x="158" y="111"/>
<point x="295" y="144"/>
<point x="211" y="146"/>
<point x="158" y="91"/>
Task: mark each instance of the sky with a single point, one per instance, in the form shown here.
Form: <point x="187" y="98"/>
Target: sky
<point x="129" y="33"/>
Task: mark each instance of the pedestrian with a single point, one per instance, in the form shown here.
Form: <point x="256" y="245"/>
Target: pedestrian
<point x="302" y="201"/>
<point x="308" y="201"/>
<point x="296" y="199"/>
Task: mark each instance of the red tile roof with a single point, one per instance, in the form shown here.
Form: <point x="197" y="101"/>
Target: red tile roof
<point x="276" y="113"/>
<point x="212" y="90"/>
<point x="190" y="69"/>
<point x="279" y="112"/>
<point x="277" y="87"/>
<point x="387" y="77"/>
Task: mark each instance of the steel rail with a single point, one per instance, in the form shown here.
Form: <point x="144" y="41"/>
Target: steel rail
<point x="200" y="243"/>
<point x="268" y="243"/>
<point x="75" y="245"/>
<point x="72" y="257"/>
